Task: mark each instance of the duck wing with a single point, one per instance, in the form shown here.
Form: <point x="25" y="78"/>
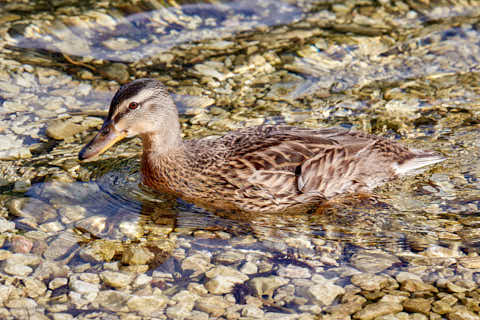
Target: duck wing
<point x="265" y="161"/>
<point x="360" y="167"/>
<point x="280" y="163"/>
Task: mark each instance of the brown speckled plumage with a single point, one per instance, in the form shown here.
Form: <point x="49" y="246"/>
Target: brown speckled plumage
<point x="263" y="168"/>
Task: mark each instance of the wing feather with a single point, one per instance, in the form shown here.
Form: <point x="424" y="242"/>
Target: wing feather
<point x="329" y="173"/>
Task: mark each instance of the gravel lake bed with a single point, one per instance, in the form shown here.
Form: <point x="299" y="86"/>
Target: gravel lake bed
<point x="82" y="240"/>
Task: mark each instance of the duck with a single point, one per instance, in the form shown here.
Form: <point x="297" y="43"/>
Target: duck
<point x="264" y="168"/>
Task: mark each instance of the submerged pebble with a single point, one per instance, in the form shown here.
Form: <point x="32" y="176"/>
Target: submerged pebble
<point x="75" y="246"/>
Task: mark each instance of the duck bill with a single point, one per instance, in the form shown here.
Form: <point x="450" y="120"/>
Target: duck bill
<point x="104" y="139"/>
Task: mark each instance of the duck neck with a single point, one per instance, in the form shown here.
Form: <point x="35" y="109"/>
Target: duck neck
<point x="162" y="142"/>
<point x="163" y="158"/>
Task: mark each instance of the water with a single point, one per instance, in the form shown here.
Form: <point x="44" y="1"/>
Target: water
<point x="407" y="71"/>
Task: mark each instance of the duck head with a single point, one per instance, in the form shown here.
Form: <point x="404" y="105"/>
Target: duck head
<point x="142" y="107"/>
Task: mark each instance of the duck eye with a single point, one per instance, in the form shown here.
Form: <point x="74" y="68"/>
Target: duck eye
<point x="133" y="105"/>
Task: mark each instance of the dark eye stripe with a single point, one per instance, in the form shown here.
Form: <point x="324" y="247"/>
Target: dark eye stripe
<point x="119" y="116"/>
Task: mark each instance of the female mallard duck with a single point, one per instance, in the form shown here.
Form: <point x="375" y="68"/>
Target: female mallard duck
<point x="262" y="168"/>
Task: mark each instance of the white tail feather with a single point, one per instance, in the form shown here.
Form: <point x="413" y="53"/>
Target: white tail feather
<point x="417" y="164"/>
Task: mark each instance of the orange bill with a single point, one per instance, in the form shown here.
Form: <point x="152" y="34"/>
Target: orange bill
<point x="106" y="138"/>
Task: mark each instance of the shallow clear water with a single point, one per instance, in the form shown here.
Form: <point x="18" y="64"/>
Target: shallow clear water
<point x="402" y="70"/>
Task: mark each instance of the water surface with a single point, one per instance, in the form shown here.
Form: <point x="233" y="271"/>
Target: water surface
<point x="95" y="242"/>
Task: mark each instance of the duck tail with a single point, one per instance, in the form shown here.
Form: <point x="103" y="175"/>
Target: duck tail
<point x="416" y="164"/>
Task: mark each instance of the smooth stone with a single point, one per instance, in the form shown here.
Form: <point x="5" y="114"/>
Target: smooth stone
<point x="99" y="251"/>
<point x="62" y="316"/>
<point x="15" y="153"/>
<point x="95" y="225"/>
<point x="65" y="243"/>
<point x="373" y="262"/>
<point x="5" y="291"/>
<point x="39" y="247"/>
<point x="4" y="313"/>
<point x="461" y="313"/>
<point x="211" y="69"/>
<point x="415" y="285"/>
<point x="223" y="279"/>
<point x="336" y="316"/>
<point x="197" y="288"/>
<point x="131" y="229"/>
<point x="404" y="276"/>
<point x="265" y="286"/>
<point x="21" y="244"/>
<point x="57" y="283"/>
<point x="77" y="299"/>
<point x="185" y="297"/>
<point x="452" y="287"/>
<point x="354" y="304"/>
<point x="83" y="287"/>
<point x="444" y="305"/>
<point x="116" y="279"/>
<point x="71" y="214"/>
<point x="21" y="303"/>
<point x="79" y="268"/>
<point x="369" y="282"/>
<point x="300" y="243"/>
<point x="226" y="272"/>
<point x="50" y="269"/>
<point x="213" y="305"/>
<point x="34" y="288"/>
<point x="115" y="301"/>
<point x="5" y="254"/>
<point x="218" y="45"/>
<point x="198" y="315"/>
<point x="441" y="252"/>
<point x="22" y="186"/>
<point x="389" y="298"/>
<point x="51" y="227"/>
<point x="194" y="104"/>
<point x="86" y="276"/>
<point x="20" y="270"/>
<point x="137" y="269"/>
<point x="179" y="311"/>
<point x="6" y="225"/>
<point x="377" y="309"/>
<point x="402" y="107"/>
<point x="32" y="208"/>
<point x="137" y="255"/>
<point x="12" y="148"/>
<point x="419" y="305"/>
<point x="221" y="284"/>
<point x="470" y="262"/>
<point x="294" y="272"/>
<point x="229" y="257"/>
<point x="279" y="316"/>
<point x="198" y="263"/>
<point x="117" y="72"/>
<point x="120" y="44"/>
<point x="142" y="280"/>
<point x="253" y="312"/>
<point x="418" y="316"/>
<point x="60" y="305"/>
<point x="111" y="266"/>
<point x="325" y="293"/>
<point x="61" y="129"/>
<point x="147" y="304"/>
<point x="249" y="268"/>
<point x="27" y="259"/>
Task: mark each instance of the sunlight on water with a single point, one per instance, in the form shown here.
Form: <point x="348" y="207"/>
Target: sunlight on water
<point x="146" y="34"/>
<point x="86" y="240"/>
